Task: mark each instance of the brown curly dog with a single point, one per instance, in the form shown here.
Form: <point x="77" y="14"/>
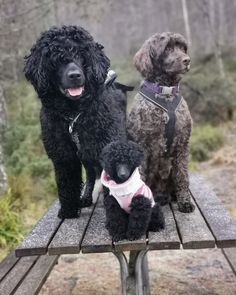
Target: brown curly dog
<point x="160" y="119"/>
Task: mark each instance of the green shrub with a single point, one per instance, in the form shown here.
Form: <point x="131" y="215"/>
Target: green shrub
<point x="205" y="139"/>
<point x="11" y="228"/>
<point x="210" y="98"/>
<point x="30" y="173"/>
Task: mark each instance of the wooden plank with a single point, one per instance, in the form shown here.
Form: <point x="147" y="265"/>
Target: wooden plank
<point x="97" y="238"/>
<point x="37" y="241"/>
<point x="37" y="275"/>
<point x="193" y="230"/>
<point x="167" y="238"/>
<point x="218" y="219"/>
<point x="69" y="236"/>
<point x="10" y="283"/>
<point x="7" y="264"/>
<point x="126" y="245"/>
<point x="230" y="255"/>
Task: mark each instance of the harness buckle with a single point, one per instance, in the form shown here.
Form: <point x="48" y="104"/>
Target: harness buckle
<point x="166" y="117"/>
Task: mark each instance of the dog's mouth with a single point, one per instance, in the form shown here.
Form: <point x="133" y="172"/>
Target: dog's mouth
<point x="76" y="91"/>
<point x="73" y="92"/>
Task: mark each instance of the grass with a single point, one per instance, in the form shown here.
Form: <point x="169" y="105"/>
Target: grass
<point x="11" y="229"/>
<point x="204" y="140"/>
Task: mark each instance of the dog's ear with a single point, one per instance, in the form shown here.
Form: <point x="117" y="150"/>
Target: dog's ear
<point x="35" y="70"/>
<point x="97" y="63"/>
<point x="151" y="50"/>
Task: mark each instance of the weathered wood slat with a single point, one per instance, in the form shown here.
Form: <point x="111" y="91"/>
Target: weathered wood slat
<point x="126" y="245"/>
<point x="167" y="238"/>
<point x="69" y="236"/>
<point x="37" y="275"/>
<point x="230" y="255"/>
<point x="218" y="219"/>
<point x="10" y="283"/>
<point x="7" y="264"/>
<point x="97" y="238"/>
<point x="193" y="230"/>
<point x="37" y="241"/>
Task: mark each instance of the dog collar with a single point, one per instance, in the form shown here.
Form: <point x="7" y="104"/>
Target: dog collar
<point x="156" y="88"/>
<point x="129" y="186"/>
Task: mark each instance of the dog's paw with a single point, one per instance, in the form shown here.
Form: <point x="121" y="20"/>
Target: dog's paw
<point x="68" y="215"/>
<point x="157" y="225"/>
<point x="133" y="235"/>
<point x="118" y="237"/>
<point x="187" y="207"/>
<point x="86" y="202"/>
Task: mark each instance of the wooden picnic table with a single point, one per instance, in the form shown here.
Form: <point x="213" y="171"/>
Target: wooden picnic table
<point x="209" y="226"/>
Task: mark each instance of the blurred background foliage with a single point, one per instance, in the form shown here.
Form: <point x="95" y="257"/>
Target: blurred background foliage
<point x="209" y="87"/>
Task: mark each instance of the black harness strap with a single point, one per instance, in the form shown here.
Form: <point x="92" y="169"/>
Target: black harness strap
<point x="169" y="107"/>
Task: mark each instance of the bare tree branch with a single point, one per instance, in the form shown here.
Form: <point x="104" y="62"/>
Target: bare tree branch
<point x="22" y="13"/>
<point x="33" y="20"/>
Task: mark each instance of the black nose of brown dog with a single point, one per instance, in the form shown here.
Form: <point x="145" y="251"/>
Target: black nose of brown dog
<point x="186" y="60"/>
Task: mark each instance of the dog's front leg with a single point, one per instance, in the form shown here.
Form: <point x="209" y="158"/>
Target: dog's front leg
<point x="68" y="178"/>
<point x="181" y="179"/>
<point x="86" y="198"/>
<point x="116" y="218"/>
<point x="139" y="218"/>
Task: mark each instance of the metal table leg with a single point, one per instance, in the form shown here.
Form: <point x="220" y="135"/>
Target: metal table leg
<point x="134" y="275"/>
<point x="124" y="273"/>
<point x="141" y="274"/>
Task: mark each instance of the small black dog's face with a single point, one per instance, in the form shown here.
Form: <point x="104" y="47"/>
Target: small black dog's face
<point x="66" y="62"/>
<point x="120" y="159"/>
<point x="71" y="79"/>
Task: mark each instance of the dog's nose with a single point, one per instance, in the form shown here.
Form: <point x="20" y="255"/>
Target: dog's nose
<point x="186" y="60"/>
<point x="74" y="74"/>
<point x="122" y="172"/>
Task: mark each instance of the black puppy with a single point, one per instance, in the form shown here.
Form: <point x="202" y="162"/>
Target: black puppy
<point x="129" y="203"/>
<point x="80" y="114"/>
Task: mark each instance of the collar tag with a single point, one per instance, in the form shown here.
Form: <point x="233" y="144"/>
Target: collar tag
<point x="167" y="90"/>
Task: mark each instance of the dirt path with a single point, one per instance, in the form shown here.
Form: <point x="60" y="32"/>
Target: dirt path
<point x="195" y="272"/>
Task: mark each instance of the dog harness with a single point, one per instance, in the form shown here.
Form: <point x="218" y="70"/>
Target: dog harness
<point x="126" y="191"/>
<point x="111" y="76"/>
<point x="151" y="92"/>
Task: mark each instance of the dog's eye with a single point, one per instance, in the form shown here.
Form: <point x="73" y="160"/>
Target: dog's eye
<point x="169" y="49"/>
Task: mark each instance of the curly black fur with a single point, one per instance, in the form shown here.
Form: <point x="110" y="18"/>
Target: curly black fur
<point x="101" y="109"/>
<point x="142" y="216"/>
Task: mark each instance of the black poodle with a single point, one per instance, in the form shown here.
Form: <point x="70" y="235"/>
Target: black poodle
<point x="80" y="114"/>
<point x="129" y="203"/>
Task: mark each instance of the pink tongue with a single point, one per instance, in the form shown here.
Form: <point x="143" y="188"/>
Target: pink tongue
<point x="75" y="91"/>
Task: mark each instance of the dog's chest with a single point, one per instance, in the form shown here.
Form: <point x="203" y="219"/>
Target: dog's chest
<point x="147" y="124"/>
<point x="92" y="133"/>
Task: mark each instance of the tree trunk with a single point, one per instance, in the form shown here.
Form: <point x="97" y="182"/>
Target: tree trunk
<point x="186" y="22"/>
<point x="3" y="121"/>
<point x="216" y="37"/>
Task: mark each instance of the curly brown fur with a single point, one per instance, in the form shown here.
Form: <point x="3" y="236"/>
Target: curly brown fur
<point x="163" y="59"/>
<point x="127" y="156"/>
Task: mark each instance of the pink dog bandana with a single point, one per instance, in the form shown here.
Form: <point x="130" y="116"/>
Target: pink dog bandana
<point x="126" y="191"/>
